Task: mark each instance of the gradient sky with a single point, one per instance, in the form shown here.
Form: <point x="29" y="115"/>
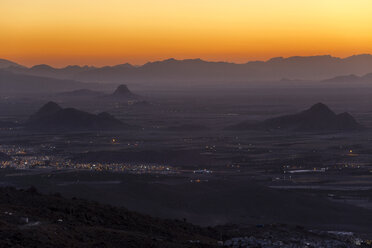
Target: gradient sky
<point x="107" y="32"/>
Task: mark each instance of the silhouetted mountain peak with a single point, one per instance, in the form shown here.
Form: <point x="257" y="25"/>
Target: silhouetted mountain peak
<point x="170" y="60"/>
<point x="74" y="67"/>
<point x="317" y="118"/>
<point x="319" y="109"/>
<point x="175" y="62"/>
<point x="42" y="67"/>
<point x="122" y="90"/>
<point x="276" y="59"/>
<point x="123" y="66"/>
<point x="49" y="108"/>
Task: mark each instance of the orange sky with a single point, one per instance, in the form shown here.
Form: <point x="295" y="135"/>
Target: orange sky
<point x="107" y="32"/>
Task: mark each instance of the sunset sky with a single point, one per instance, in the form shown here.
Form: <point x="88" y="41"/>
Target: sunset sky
<point x="107" y="32"/>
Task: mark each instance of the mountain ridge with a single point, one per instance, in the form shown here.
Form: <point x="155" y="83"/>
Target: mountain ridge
<point x="4" y="63"/>
<point x="11" y="82"/>
<point x="301" y="67"/>
<point x="352" y="78"/>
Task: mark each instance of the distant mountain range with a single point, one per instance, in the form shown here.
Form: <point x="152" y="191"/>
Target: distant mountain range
<point x="121" y="94"/>
<point x="305" y="68"/>
<point x="81" y="93"/>
<point x="350" y="79"/>
<point x="11" y="82"/>
<point x="317" y="118"/>
<point x="52" y="117"/>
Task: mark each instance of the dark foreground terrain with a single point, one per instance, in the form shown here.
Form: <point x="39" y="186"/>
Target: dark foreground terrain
<point x="30" y="219"/>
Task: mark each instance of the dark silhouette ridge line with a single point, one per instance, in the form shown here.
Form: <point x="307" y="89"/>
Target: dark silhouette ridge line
<point x="311" y="68"/>
<point x="126" y="65"/>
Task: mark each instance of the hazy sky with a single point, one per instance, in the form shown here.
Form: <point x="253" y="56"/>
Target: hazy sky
<point x="98" y="32"/>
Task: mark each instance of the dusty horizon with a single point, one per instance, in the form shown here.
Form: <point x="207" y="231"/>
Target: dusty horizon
<point x="111" y="32"/>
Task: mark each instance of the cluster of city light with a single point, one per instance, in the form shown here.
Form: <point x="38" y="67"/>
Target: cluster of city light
<point x="140" y="168"/>
<point x="29" y="162"/>
<point x="32" y="162"/>
<point x="14" y="150"/>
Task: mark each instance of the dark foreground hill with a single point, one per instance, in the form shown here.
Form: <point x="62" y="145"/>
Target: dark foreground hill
<point x="29" y="219"/>
<point x="317" y="118"/>
<point x="52" y="117"/>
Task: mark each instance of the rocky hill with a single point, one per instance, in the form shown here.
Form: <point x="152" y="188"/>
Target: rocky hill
<point x="52" y="117"/>
<point x="317" y="118"/>
<point x="122" y="92"/>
